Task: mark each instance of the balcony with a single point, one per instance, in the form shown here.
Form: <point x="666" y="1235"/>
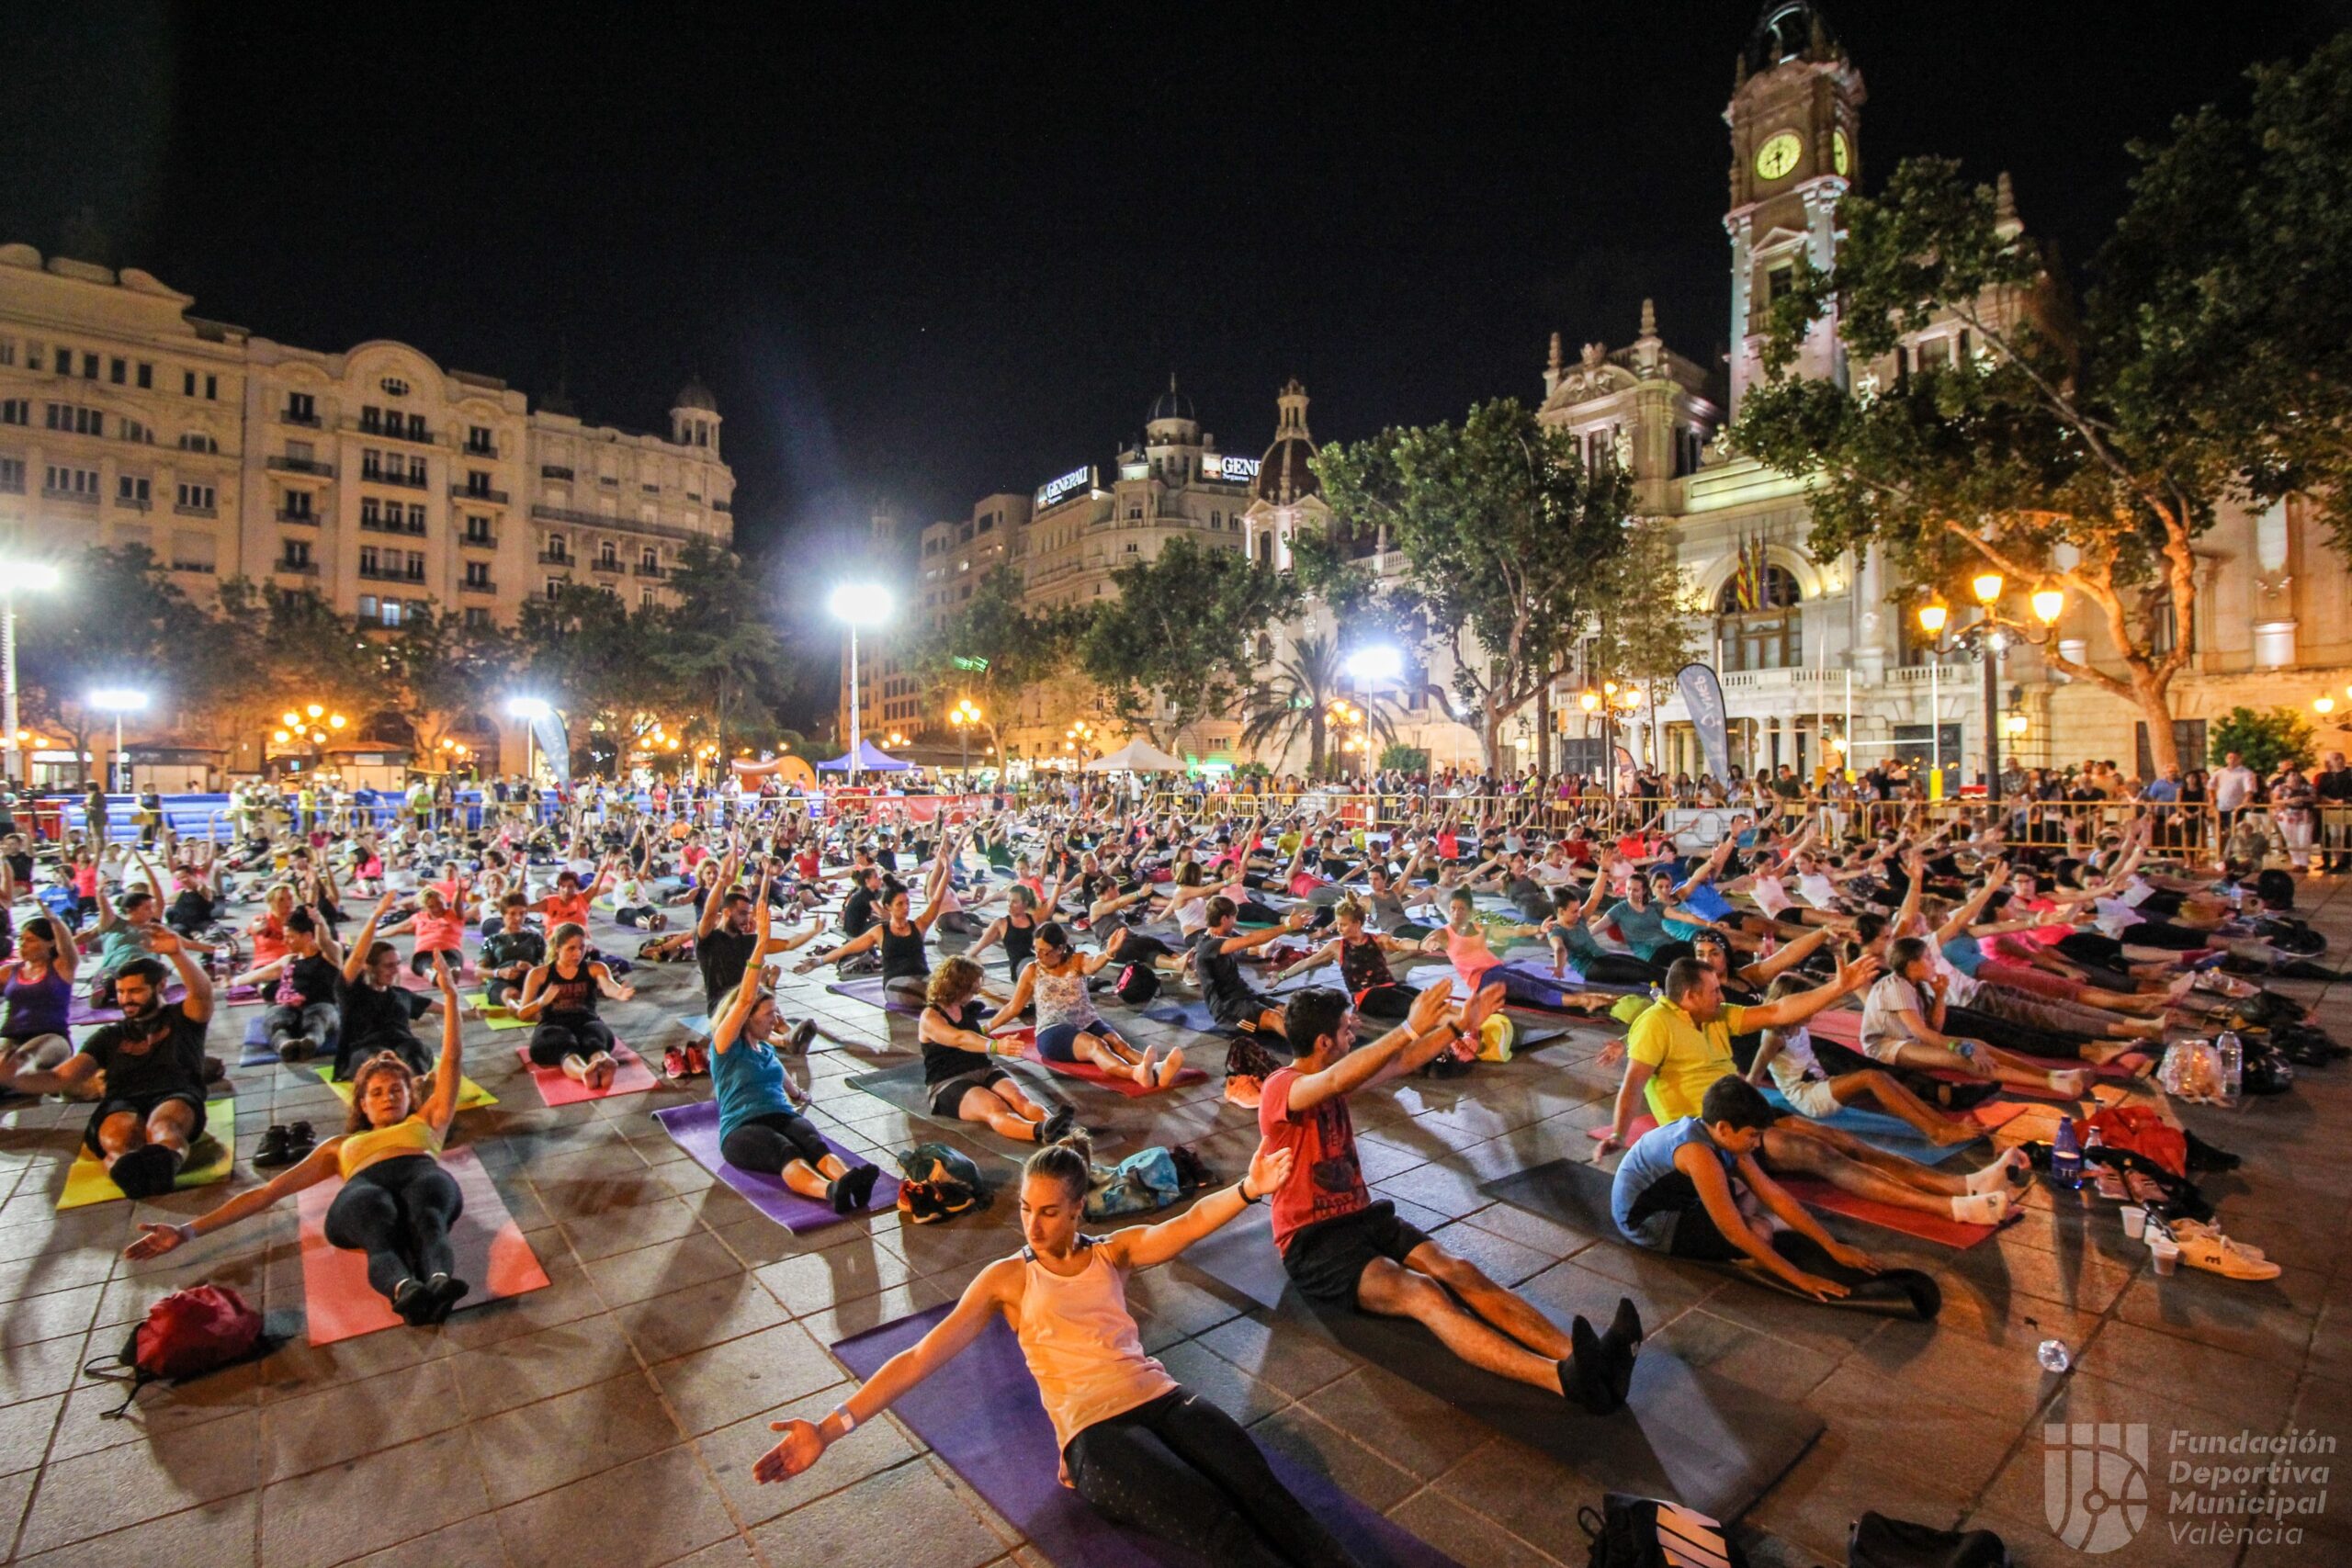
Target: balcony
<point x="620" y="525"/>
<point x="297" y="567"/>
<point x="557" y="560"/>
<point x="397" y="433"/>
<point x="310" y="519"/>
<point x="287" y="416"/>
<point x="300" y="466"/>
<point x="644" y="570"/>
<point x="487" y="496"/>
<point x="488" y="454"/>
<point x="555" y="471"/>
<point x="613" y="567"/>
<point x="206" y="567"/>
<point x="391" y="573"/>
<point x="479" y="585"/>
<point x="86" y="496"/>
<point x="394" y="477"/>
<point x="378" y="526"/>
<point x="133" y="502"/>
<point x="479" y="541"/>
<point x="183" y="509"/>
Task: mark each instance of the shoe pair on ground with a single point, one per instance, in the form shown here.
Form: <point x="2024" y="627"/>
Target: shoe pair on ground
<point x="2204" y="1246"/>
<point x="283" y="1145"/>
<point x="1599" y="1371"/>
<point x="422" y="1303"/>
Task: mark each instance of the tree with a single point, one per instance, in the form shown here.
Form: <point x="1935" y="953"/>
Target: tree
<point x="992" y="650"/>
<point x="1506" y="539"/>
<point x="2263" y="740"/>
<point x="1180" y="641"/>
<point x="2086" y="455"/>
<point x="446" y="671"/>
<point x="1295" y="701"/>
<point x="295" y="647"/>
<point x="719" y="647"/>
<point x="592" y="660"/>
<point x="1642" y="631"/>
<point x="117" y="619"/>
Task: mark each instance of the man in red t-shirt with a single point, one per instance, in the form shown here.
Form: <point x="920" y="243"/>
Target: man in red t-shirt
<point x="1339" y="1245"/>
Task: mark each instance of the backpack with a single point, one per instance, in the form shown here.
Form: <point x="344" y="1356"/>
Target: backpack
<point x="1144" y="1180"/>
<point x="1877" y="1541"/>
<point x="1137" y="984"/>
<point x="184" y="1335"/>
<point x="2142" y="1130"/>
<point x="940" y="1162"/>
<point x="1644" y="1532"/>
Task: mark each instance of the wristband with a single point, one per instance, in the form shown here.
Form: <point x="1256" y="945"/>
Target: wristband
<point x="187" y="1233"/>
<point x="848" y="1421"/>
<point x="1242" y="1187"/>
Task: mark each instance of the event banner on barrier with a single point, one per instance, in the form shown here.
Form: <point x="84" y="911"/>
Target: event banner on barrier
<point x="1702" y="696"/>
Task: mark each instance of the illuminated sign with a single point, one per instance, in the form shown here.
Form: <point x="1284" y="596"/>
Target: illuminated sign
<point x="1053" y="491"/>
<point x="1232" y="470"/>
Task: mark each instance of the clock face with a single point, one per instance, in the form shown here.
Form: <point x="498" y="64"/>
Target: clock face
<point x="1778" y="154"/>
<point x="1838" y="150"/>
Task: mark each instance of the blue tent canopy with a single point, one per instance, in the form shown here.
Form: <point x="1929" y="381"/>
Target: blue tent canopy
<point x="870" y="760"/>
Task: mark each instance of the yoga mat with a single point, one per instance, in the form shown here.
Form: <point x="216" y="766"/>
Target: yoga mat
<point x="903" y="1086"/>
<point x="1087" y="1072"/>
<point x="695" y="1128"/>
<point x="557" y="1088"/>
<point x="480" y="1000"/>
<point x="1683" y="1434"/>
<point x="81" y="1013"/>
<point x="492" y="1255"/>
<point x="1819" y="1194"/>
<point x="1879" y="1129"/>
<point x="1194" y="1015"/>
<point x="869" y="989"/>
<point x="210" y="1159"/>
<point x="1575" y="1194"/>
<point x="981" y="1413"/>
<point x="470" y="1095"/>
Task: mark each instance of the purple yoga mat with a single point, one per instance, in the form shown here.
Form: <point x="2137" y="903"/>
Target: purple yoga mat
<point x="82" y="1012"/>
<point x="980" y="1413"/>
<point x="869" y="989"/>
<point x="696" y="1130"/>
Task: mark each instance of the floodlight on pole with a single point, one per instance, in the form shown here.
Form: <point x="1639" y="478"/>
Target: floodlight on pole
<point x="118" y="701"/>
<point x="857" y="604"/>
<point x="1376" y="663"/>
<point x="36" y="577"/>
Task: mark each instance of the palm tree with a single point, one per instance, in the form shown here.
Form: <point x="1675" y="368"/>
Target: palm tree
<point x="1297" y="700"/>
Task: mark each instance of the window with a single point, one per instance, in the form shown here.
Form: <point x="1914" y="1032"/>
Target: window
<point x="650" y="489"/>
<point x="32" y="355"/>
<point x="74" y="420"/>
<point x="301" y="408"/>
<point x="390" y="613"/>
<point x="555" y="587"/>
<point x="119" y="371"/>
<point x="71" y="484"/>
<point x="297" y="555"/>
<point x="477" y="530"/>
<point x="477" y="481"/>
<point x="555" y="471"/>
<point x="372" y="563"/>
<point x="477" y="573"/>
<point x="7" y="351"/>
<point x="1759" y="621"/>
<point x="211" y="389"/>
<point x="197" y="441"/>
<point x="129" y="491"/>
<point x="89" y="365"/>
<point x="296" y="504"/>
<point x="134" y="430"/>
<point x="367" y="606"/>
<point x="479" y="619"/>
<point x="608" y="556"/>
<point x="478" y="439"/>
<point x="188" y="383"/>
<point x="192" y="550"/>
<point x="650" y="560"/>
<point x="15" y="411"/>
<point x="645" y="598"/>
<point x="393" y="386"/>
<point x="12" y="476"/>
<point x="416" y="518"/>
<point x="1779" y="281"/>
<point x="1217" y="520"/>
<point x="195" y="498"/>
<point x="146" y="376"/>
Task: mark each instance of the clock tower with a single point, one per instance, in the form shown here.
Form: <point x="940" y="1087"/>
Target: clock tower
<point x="1795" y="148"/>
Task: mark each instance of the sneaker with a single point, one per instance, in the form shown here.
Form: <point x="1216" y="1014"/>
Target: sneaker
<point x="295" y="1049"/>
<point x="1058" y="1123"/>
<point x="697" y="1062"/>
<point x="274" y="1149"/>
<point x="2217" y="1254"/>
<point x="2180" y="1228"/>
<point x="1585" y="1379"/>
<point x="673" y="1063"/>
<point x="1981" y="1208"/>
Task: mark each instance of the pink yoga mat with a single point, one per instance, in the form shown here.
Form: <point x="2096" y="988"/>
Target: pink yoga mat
<point x="1087" y="1072"/>
<point x="556" y="1089"/>
<point x="492" y="1255"/>
<point x="1817" y="1194"/>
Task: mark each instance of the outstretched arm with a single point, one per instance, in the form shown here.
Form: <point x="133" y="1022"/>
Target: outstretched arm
<point x="448" y="1073"/>
<point x="1140" y="1246"/>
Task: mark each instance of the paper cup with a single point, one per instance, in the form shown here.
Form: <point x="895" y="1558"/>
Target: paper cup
<point x="2135" y="1222"/>
<point x="2168" y="1258"/>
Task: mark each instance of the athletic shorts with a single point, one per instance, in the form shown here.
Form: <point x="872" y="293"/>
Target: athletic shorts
<point x="1058" y="1041"/>
<point x="1326" y="1259"/>
<point x="946" y="1098"/>
<point x="145" y="1105"/>
<point x="1694" y="1234"/>
<point x="1812" y="1099"/>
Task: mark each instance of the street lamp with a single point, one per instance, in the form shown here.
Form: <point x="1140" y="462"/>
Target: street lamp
<point x="1343" y="716"/>
<point x="14" y="575"/>
<point x="1376" y="663"/>
<point x="964" y="714"/>
<point x="118" y="701"/>
<point x="1986" y="639"/>
<point x="857" y="604"/>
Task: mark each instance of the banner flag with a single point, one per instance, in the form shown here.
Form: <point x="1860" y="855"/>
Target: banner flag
<point x="1702" y="695"/>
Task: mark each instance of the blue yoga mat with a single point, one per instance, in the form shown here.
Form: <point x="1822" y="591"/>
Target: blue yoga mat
<point x="1192" y="1015"/>
<point x="981" y="1413"/>
<point x="1880" y="1131"/>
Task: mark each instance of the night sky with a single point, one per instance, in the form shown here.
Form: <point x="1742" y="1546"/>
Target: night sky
<point x="926" y="251"/>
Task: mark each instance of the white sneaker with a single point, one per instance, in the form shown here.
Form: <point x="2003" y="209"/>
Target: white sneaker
<point x="1981" y="1208"/>
<point x="2074" y="1085"/>
<point x="2012" y="1168"/>
<point x="2217" y="1254"/>
<point x="2182" y="1229"/>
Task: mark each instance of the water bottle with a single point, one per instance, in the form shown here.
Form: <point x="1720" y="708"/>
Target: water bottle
<point x="2230" y="1053"/>
<point x="2052" y="1354"/>
<point x="2066" y="1157"/>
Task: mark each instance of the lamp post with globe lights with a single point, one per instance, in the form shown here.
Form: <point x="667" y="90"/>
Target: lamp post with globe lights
<point x="1986" y="638"/>
<point x="964" y="714"/>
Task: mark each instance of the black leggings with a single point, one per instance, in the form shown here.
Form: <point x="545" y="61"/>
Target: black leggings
<point x="421" y="962"/>
<point x="569" y="1035"/>
<point x="769" y="1141"/>
<point x="1181" y="1470"/>
<point x="399" y="1212"/>
<point x="1391" y="1002"/>
<point x="1620" y="969"/>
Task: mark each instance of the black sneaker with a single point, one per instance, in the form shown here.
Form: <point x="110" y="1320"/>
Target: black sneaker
<point x="446" y="1292"/>
<point x="860" y="1182"/>
<point x="275" y="1149"/>
<point x="146" y="1172"/>
<point x="411" y="1300"/>
<point x="1584" y="1380"/>
<point x="1056" y="1124"/>
<point x="1619" y="1344"/>
<point x="295" y="1049"/>
<point x="802" y="1032"/>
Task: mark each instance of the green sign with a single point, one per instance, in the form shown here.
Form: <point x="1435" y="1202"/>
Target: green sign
<point x="969" y="662"/>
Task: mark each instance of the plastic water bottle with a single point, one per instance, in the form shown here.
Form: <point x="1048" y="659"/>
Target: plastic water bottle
<point x="2066" y="1157"/>
<point x="2052" y="1354"/>
<point x="2230" y="1051"/>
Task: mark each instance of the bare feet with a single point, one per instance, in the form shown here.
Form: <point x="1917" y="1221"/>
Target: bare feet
<point x="1170" y="1067"/>
<point x="1142" y="1071"/>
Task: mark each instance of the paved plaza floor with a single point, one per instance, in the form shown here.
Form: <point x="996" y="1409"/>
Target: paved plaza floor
<point x="613" y="1418"/>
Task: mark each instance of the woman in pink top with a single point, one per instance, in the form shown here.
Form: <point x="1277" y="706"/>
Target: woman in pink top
<point x="439" y="926"/>
<point x="1143" y="1449"/>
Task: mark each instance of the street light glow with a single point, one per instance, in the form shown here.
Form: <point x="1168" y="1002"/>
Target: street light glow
<point x="1378" y="662"/>
<point x="530" y="708"/>
<point x="860" y="604"/>
<point x="39" y="575"/>
<point x="117" y="699"/>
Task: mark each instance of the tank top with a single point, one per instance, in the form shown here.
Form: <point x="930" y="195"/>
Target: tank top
<point x="942" y="1063"/>
<point x="902" y="955"/>
<point x="1062" y="999"/>
<point x="1081" y="1345"/>
<point x="576" y="996"/>
<point x="1471" y="955"/>
<point x="1648" y="1161"/>
<point x="37" y="1006"/>
<point x="414" y="1137"/>
<point x="1020" y="943"/>
<point x="1193" y="917"/>
<point x="1364" y="965"/>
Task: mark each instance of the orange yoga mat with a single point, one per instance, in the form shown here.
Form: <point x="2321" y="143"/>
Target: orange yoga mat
<point x="1814" y="1194"/>
<point x="492" y="1255"/>
<point x="556" y="1089"/>
<point x="1087" y="1072"/>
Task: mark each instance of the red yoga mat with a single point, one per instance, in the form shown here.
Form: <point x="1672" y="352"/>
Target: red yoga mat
<point x="557" y="1089"/>
<point x="1817" y="1194"/>
<point x="1087" y="1072"/>
<point x="492" y="1255"/>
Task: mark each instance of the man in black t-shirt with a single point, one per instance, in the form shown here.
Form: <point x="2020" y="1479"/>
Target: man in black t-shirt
<point x="152" y="1110"/>
<point x="725" y="940"/>
<point x="857" y="909"/>
<point x="1233" y="1002"/>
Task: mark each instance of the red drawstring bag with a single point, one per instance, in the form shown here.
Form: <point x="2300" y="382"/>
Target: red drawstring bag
<point x="186" y="1333"/>
<point x="2145" y="1133"/>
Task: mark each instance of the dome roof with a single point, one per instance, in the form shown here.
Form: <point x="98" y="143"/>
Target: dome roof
<point x="1171" y="404"/>
<point x="694" y="395"/>
<point x="1284" y="474"/>
<point x="1789" y="29"/>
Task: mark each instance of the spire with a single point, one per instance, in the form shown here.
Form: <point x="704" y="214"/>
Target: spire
<point x="1649" y="318"/>
<point x="2005" y="209"/>
<point x="1554" y="364"/>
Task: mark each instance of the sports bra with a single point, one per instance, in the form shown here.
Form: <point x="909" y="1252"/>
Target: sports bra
<point x="414" y="1137"/>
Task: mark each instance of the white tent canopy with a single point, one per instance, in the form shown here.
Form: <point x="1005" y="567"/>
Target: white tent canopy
<point x="1137" y="756"/>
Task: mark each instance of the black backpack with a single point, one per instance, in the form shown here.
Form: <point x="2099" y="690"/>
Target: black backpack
<point x="1138" y="983"/>
<point x="1877" y="1541"/>
<point x="1644" y="1532"/>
